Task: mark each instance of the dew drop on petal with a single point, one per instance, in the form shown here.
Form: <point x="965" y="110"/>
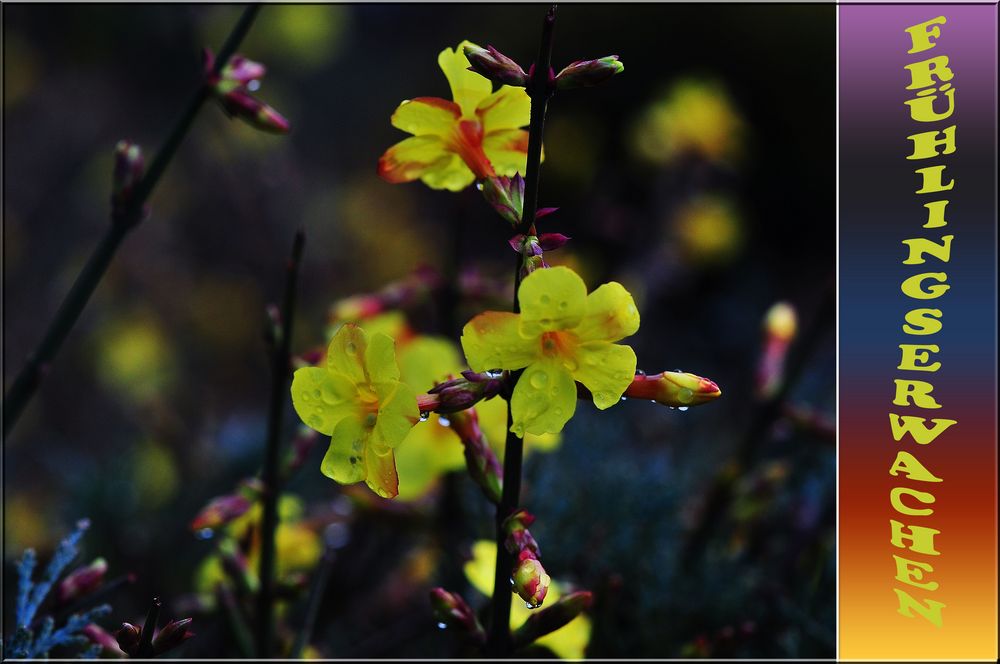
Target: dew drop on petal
<point x="316" y="422"/>
<point x="444" y="421"/>
<point x="685" y="395"/>
<point x="479" y="186"/>
<point x="529" y="605"/>
<point x="544" y="299"/>
<point x="683" y="409"/>
<point x="441" y="625"/>
<point x="424" y="415"/>
<point x="350" y="347"/>
<point x="538" y="379"/>
<point x="205" y="533"/>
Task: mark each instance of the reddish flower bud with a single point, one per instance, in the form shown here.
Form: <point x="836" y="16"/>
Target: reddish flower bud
<point x="82" y="581"/>
<point x="243" y="70"/>
<point x="495" y="66"/>
<point x="552" y="241"/>
<point x="780" y="325"/>
<point x="172" y="635"/>
<point x="462" y="393"/>
<point x="128" y="638"/>
<point x="220" y="511"/>
<point x="673" y="388"/>
<point x="109" y="644"/>
<point x="506" y="195"/>
<point x="450" y="610"/>
<point x="552" y="618"/>
<point x="230" y="86"/>
<point x="587" y="73"/>
<point x="482" y="462"/>
<point x="531" y="582"/>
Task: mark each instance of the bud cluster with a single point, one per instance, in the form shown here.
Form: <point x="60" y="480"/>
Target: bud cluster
<point x="497" y="67"/>
<point x="232" y="87"/>
<point x="531" y="582"/>
<point x="145" y="641"/>
<point x="450" y="610"/>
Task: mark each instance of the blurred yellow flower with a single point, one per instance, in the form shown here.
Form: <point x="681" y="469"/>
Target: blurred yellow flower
<point x="695" y="116"/>
<point x="475" y="136"/>
<point x="568" y="642"/>
<point x="708" y="231"/>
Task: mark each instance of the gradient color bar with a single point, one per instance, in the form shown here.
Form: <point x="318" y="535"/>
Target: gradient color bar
<point x="879" y="208"/>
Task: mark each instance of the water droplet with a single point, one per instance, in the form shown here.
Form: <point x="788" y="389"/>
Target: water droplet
<point x="305" y="396"/>
<point x="545" y="299"/>
<point x="316" y="422"/>
<point x="205" y="533"/>
<point x="557" y="412"/>
<point x="652" y="401"/>
<point x="683" y="409"/>
<point x="623" y="399"/>
<point x="563" y="305"/>
<point x="529" y="605"/>
<point x="640" y="372"/>
<point x="424" y="415"/>
<point x="444" y="421"/>
<point x="511" y="582"/>
<point x="685" y="395"/>
<point x="253" y="86"/>
<point x="479" y="186"/>
<point x="351" y="348"/>
<point x="545" y="322"/>
<point x="441" y="625"/>
<point x="570" y="364"/>
<point x="405" y="101"/>
<point x="358" y="445"/>
<point x="538" y="379"/>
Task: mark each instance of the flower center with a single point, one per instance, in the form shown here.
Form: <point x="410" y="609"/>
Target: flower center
<point x="558" y="344"/>
<point x="467" y="143"/>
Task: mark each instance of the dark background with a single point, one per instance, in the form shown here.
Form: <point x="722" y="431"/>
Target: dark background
<point x="158" y="400"/>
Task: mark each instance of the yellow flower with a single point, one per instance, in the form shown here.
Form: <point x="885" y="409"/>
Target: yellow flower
<point x="562" y="335"/>
<point x="475" y="136"/>
<point x="567" y="642"/>
<point x="358" y="401"/>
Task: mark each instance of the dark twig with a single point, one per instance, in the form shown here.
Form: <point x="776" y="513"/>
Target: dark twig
<point x="26" y="383"/>
<point x="280" y="365"/>
<point x="764" y="416"/>
<point x="319" y="584"/>
<point x="540" y="88"/>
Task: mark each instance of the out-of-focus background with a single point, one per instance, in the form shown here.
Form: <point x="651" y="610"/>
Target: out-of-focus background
<point x="702" y="178"/>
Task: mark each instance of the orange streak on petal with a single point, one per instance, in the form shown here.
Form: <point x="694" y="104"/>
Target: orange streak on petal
<point x="467" y="143"/>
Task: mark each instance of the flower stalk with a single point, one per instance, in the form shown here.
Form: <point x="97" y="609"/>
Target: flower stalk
<point x="124" y="217"/>
<point x="540" y="88"/>
<point x="280" y="369"/>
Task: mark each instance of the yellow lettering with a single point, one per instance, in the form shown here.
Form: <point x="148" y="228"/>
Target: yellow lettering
<point x="923" y="321"/>
<point x="916" y="390"/>
<point x="907" y="464"/>
<point x="932" y="180"/>
<point x="921" y="539"/>
<point x="921" y="245"/>
<point x="919" y="432"/>
<point x="895" y="498"/>
<point x="920" y="36"/>
<point x="925" y="144"/>
<point x="935" y="214"/>
<point x="913" y="353"/>
<point x="922" y="73"/>
<point x="913" y="286"/>
<point x="911" y="572"/>
<point x="922" y="108"/>
<point x="907" y="605"/>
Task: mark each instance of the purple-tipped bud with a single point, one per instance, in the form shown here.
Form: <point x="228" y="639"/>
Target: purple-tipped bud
<point x="552" y="618"/>
<point x="495" y="66"/>
<point x="172" y="635"/>
<point x="506" y="195"/>
<point x="239" y="103"/>
<point x="82" y="581"/>
<point x="128" y="638"/>
<point x="531" y="582"/>
<point x="587" y="73"/>
<point x="552" y="241"/>
<point x="450" y="610"/>
<point x="519" y="539"/>
<point x="462" y="393"/>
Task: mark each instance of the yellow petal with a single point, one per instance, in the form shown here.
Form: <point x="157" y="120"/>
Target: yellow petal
<point x="610" y="315"/>
<point x="382" y="477"/>
<point x="467" y="88"/>
<point x="427" y="115"/>
<point x="452" y="174"/>
<point x="544" y="399"/>
<point x="413" y="158"/>
<point x="380" y="359"/>
<point x="606" y="369"/>
<point x="322" y="398"/>
<point x="493" y="421"/>
<point x="346" y="353"/>
<point x="428" y="360"/>
<point x="397" y="413"/>
<point x="344" y="459"/>
<point x="428" y="450"/>
<point x="507" y="108"/>
<point x="551" y="299"/>
<point x="507" y="150"/>
<point x="492" y="340"/>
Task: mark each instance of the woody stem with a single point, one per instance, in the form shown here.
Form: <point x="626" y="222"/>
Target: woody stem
<point x="540" y="87"/>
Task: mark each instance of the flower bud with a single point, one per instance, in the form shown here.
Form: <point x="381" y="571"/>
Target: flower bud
<point x="531" y="582"/>
<point x="551" y="241"/>
<point x="462" y="393"/>
<point x="506" y="195"/>
<point x="220" y="511"/>
<point x="82" y="581"/>
<point x="172" y="635"/>
<point x="587" y="73"/>
<point x="552" y="618"/>
<point x="482" y="462"/>
<point x="242" y="70"/>
<point x="674" y="388"/>
<point x="519" y="540"/>
<point x="780" y="324"/>
<point x="495" y="66"/>
<point x="128" y="172"/>
<point x="230" y="87"/>
<point x="109" y="644"/>
<point x="128" y="638"/>
<point x="450" y="610"/>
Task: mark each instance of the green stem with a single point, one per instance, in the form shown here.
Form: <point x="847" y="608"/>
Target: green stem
<point x="499" y="642"/>
<point x="280" y="366"/>
<point x="26" y="383"/>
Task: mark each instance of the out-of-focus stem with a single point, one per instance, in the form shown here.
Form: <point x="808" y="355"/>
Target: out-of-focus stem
<point x="26" y="383"/>
<point x="280" y="365"/>
<point x="499" y="642"/>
